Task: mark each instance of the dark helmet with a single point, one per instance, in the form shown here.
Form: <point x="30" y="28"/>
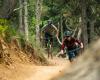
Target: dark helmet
<point x="67" y="33"/>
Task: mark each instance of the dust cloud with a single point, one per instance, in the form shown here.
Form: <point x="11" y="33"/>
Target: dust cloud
<point x="87" y="67"/>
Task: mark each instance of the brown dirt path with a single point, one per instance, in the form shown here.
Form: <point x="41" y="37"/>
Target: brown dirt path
<point x="33" y="72"/>
<point x="49" y="72"/>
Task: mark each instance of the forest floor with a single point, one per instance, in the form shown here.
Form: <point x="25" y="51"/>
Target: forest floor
<point x="24" y="71"/>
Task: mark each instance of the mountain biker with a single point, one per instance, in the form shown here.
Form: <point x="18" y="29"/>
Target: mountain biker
<point x="48" y="43"/>
<point x="71" y="43"/>
<point x="48" y="39"/>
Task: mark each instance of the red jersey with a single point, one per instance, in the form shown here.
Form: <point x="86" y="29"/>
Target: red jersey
<point x="70" y="44"/>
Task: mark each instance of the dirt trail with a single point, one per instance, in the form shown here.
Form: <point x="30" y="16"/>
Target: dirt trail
<point x="49" y="72"/>
<point x="32" y="72"/>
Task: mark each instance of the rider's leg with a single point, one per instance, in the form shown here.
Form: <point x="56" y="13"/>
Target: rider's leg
<point x="48" y="52"/>
<point x="76" y="52"/>
<point x="71" y="56"/>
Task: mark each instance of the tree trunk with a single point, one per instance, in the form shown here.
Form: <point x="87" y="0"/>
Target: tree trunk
<point x="61" y="28"/>
<point x="26" y="20"/>
<point x="21" y="29"/>
<point x="92" y="30"/>
<point x="84" y="23"/>
<point x="38" y="16"/>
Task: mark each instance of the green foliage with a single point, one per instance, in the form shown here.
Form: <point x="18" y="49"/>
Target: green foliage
<point x="3" y="28"/>
<point x="32" y="25"/>
<point x="3" y="25"/>
<point x="3" y="21"/>
<point x="52" y="10"/>
<point x="9" y="32"/>
<point x="1" y="3"/>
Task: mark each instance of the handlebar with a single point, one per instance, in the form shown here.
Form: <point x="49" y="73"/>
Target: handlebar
<point x="74" y="50"/>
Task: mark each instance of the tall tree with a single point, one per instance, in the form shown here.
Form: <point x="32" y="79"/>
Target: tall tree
<point x="84" y="22"/>
<point x="23" y="18"/>
<point x="92" y="15"/>
<point x="92" y="30"/>
<point x="38" y="16"/>
<point x="26" y="19"/>
<point x="21" y="29"/>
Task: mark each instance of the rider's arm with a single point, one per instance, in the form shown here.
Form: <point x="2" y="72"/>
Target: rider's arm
<point x="63" y="46"/>
<point x="79" y="43"/>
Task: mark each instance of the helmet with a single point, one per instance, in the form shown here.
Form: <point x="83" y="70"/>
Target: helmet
<point x="67" y="33"/>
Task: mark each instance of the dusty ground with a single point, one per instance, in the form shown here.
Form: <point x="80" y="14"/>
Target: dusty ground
<point x="20" y="68"/>
<point x="32" y="72"/>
